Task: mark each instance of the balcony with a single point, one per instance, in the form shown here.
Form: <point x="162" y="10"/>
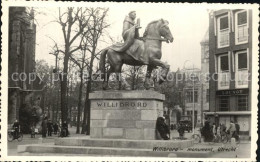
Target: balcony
<point x="242" y="34"/>
<point x="223" y="38"/>
<point x="223" y="80"/>
<point x="242" y="79"/>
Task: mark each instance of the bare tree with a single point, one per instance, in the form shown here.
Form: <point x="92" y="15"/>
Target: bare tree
<point x="82" y="63"/>
<point x="73" y="23"/>
<point x="134" y="74"/>
<point x="96" y="28"/>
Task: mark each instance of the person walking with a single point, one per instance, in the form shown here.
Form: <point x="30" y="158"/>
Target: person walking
<point x="162" y="128"/>
<point x="65" y="129"/>
<point x="237" y="128"/>
<point x="237" y="131"/>
<point x="214" y="129"/>
<point x="16" y="127"/>
<point x="49" y="125"/>
<point x="222" y="129"/>
<point x="55" y="128"/>
<point x="232" y="129"/>
<point x="44" y="127"/>
<point x="207" y="132"/>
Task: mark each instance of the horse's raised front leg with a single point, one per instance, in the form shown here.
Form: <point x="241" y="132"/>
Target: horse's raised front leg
<point x="161" y="77"/>
<point x="106" y="79"/>
<point x="148" y="84"/>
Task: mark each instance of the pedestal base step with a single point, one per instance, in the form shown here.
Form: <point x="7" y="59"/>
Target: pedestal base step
<point x="123" y="143"/>
<point x="111" y="147"/>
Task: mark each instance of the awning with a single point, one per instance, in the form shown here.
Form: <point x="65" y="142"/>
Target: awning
<point x="228" y="113"/>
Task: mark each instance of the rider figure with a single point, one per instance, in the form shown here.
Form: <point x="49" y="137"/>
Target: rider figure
<point x="129" y="24"/>
<point x="16" y="127"/>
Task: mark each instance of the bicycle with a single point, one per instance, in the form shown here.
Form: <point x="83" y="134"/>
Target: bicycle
<point x="235" y="135"/>
<point x="12" y="136"/>
<point x="216" y="138"/>
<point x="63" y="133"/>
<point x="196" y="137"/>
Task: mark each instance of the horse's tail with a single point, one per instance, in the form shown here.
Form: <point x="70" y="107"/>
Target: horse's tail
<point x="102" y="62"/>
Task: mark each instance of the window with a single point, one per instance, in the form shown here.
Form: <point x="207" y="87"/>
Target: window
<point x="224" y="103"/>
<point x="241" y="69"/>
<point x="189" y="96"/>
<point x="207" y="95"/>
<point x="224" y="66"/>
<point x="223" y="31"/>
<point x="242" y="103"/>
<point x="241" y="23"/>
<point x="242" y="61"/>
<point x="223" y="71"/>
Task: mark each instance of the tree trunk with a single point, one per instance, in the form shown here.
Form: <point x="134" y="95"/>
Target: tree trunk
<point x="79" y="102"/>
<point x="64" y="108"/>
<point x="87" y="101"/>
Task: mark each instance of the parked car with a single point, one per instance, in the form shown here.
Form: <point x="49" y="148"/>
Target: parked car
<point x="186" y="124"/>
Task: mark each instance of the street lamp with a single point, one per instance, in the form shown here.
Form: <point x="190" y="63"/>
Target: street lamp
<point x="193" y="89"/>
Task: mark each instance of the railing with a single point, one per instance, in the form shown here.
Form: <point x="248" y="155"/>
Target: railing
<point x="224" y="38"/>
<point x="242" y="33"/>
<point x="223" y="80"/>
<point x="242" y="78"/>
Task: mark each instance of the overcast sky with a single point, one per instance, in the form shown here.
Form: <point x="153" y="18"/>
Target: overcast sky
<point x="188" y="25"/>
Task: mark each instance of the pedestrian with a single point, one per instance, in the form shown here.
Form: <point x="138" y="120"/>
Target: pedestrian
<point x="214" y="129"/>
<point x="162" y="128"/>
<point x="32" y="131"/>
<point x="180" y="130"/>
<point x="222" y="129"/>
<point x="237" y="128"/>
<point x="16" y="127"/>
<point x="232" y="129"/>
<point x="49" y="126"/>
<point x="218" y="131"/>
<point x="237" y="131"/>
<point x="207" y="131"/>
<point x="55" y="128"/>
<point x="64" y="129"/>
<point x="44" y="127"/>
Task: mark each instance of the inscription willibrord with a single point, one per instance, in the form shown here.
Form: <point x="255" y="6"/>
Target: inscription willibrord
<point x="121" y="104"/>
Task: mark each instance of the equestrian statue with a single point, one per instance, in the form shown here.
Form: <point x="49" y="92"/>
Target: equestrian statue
<point x="137" y="51"/>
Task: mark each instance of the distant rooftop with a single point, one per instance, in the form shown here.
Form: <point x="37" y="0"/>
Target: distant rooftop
<point x="206" y="37"/>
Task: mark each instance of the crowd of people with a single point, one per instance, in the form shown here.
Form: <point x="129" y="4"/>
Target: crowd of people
<point x="210" y="131"/>
<point x="48" y="128"/>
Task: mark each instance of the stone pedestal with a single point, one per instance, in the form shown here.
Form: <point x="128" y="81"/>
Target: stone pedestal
<point x="125" y="114"/>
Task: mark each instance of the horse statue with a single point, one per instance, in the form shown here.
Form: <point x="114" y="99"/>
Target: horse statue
<point x="146" y="51"/>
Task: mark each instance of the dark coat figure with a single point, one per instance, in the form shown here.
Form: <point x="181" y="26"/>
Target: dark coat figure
<point x="32" y="131"/>
<point x="207" y="132"/>
<point x="162" y="128"/>
<point x="49" y="126"/>
<point x="65" y="129"/>
<point x="237" y="128"/>
<point x="181" y="131"/>
<point x="16" y="127"/>
<point x="44" y="127"/>
<point x="55" y="128"/>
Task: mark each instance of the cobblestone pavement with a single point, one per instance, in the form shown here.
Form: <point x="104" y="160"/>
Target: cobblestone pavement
<point x="12" y="146"/>
<point x="241" y="151"/>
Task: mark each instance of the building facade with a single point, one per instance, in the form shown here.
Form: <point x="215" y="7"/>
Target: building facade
<point x="24" y="93"/>
<point x="186" y="81"/>
<point x="204" y="78"/>
<point x="230" y="57"/>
